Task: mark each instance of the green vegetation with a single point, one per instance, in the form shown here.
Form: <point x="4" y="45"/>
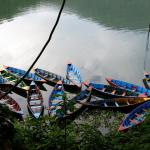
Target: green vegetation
<point x="93" y="130"/>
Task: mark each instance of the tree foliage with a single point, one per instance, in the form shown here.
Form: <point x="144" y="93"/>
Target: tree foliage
<point x="93" y="130"/>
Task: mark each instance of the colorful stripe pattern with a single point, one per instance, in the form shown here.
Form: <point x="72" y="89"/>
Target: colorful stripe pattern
<point x="129" y="86"/>
<point x="51" y="76"/>
<point x="73" y="74"/>
<point x="12" y="79"/>
<point x="136" y="116"/>
<point x="11" y="103"/>
<point x="110" y="91"/>
<point x="56" y="101"/>
<point x="21" y="73"/>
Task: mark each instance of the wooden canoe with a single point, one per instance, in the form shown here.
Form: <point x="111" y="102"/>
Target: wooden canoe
<point x="78" y="103"/>
<point x="29" y="77"/>
<point x="135" y="117"/>
<point x="57" y="107"/>
<point x="56" y="100"/>
<point x="35" y="101"/>
<point x="12" y="79"/>
<point x="73" y="74"/>
<point x="107" y="91"/>
<point x="117" y="104"/>
<point x="12" y="105"/>
<point x="4" y="84"/>
<point x="53" y="78"/>
<point x="129" y="86"/>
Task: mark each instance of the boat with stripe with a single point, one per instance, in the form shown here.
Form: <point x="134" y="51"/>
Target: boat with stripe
<point x="13" y="79"/>
<point x="11" y="104"/>
<point x="73" y="74"/>
<point x="56" y="101"/>
<point x="53" y="78"/>
<point x="61" y="107"/>
<point x="29" y="77"/>
<point x="107" y="91"/>
<point x="35" y="101"/>
<point x="4" y="84"/>
<point x="135" y="117"/>
<point x="129" y="86"/>
<point x="117" y="104"/>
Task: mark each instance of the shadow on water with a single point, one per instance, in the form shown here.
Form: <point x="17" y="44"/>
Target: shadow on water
<point x="124" y="14"/>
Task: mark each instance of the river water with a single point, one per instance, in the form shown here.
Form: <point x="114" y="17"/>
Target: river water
<point x="103" y="38"/>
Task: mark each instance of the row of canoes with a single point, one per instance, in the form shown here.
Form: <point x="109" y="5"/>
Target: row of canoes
<point x="119" y="95"/>
<point x="10" y="75"/>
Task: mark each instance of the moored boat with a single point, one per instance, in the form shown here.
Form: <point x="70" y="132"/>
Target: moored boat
<point x="56" y="101"/>
<point x="29" y="77"/>
<point x="73" y="74"/>
<point x="53" y="78"/>
<point x="11" y="104"/>
<point x="61" y="107"/>
<point x="35" y="101"/>
<point x="4" y="84"/>
<point x="107" y="91"/>
<point x="78" y="103"/>
<point x="135" y="117"/>
<point x="13" y="79"/>
<point x="129" y="86"/>
<point x="117" y="104"/>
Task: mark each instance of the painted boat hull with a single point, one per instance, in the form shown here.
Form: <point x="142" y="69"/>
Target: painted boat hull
<point x="35" y="101"/>
<point x="83" y="96"/>
<point x="73" y="74"/>
<point x="108" y="93"/>
<point x="68" y="87"/>
<point x="135" y="117"/>
<point x="12" y="105"/>
<point x="124" y="105"/>
<point x="80" y="101"/>
<point x="129" y="86"/>
<point x="27" y="80"/>
<point x="20" y="90"/>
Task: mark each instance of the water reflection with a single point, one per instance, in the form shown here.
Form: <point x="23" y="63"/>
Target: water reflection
<point x="96" y="49"/>
<point x="115" y="14"/>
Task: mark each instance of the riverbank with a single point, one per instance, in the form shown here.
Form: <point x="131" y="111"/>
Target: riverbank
<point x="86" y="132"/>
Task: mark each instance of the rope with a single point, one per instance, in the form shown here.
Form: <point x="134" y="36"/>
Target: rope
<point x="41" y="52"/>
<point x="147" y="49"/>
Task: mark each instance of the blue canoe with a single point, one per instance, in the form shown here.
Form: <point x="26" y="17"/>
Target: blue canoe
<point x="56" y="102"/>
<point x="29" y="78"/>
<point x="11" y="79"/>
<point x="107" y="91"/>
<point x="73" y="74"/>
<point x="4" y="84"/>
<point x="129" y="86"/>
<point x="135" y="117"/>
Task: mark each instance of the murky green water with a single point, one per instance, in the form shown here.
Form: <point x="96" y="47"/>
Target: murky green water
<point x="103" y="38"/>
